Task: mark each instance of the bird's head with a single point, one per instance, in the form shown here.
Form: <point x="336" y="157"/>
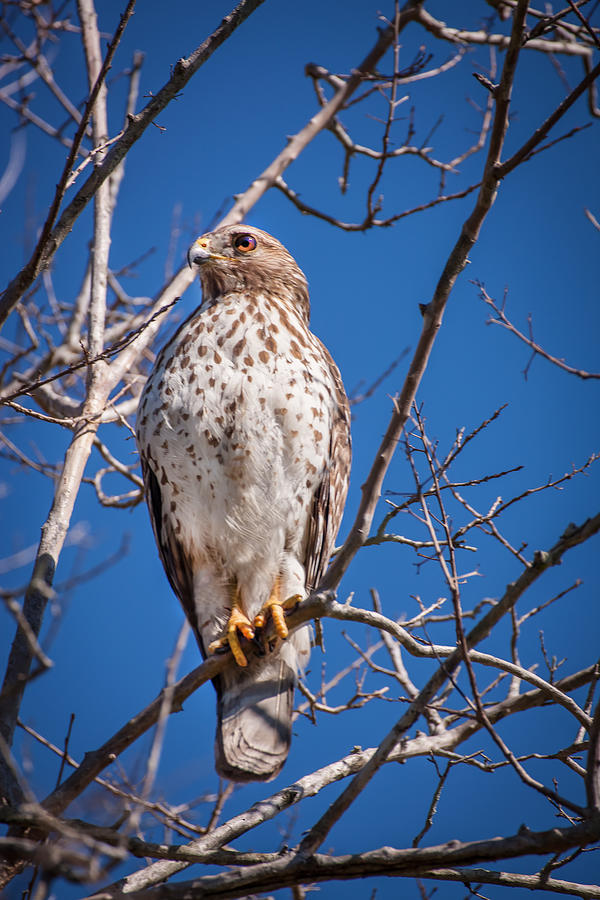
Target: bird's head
<point x="240" y="258"/>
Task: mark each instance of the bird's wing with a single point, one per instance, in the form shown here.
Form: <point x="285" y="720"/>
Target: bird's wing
<point x="173" y="558"/>
<point x="330" y="496"/>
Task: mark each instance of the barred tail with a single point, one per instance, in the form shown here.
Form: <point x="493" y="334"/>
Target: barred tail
<point x="254" y="717"/>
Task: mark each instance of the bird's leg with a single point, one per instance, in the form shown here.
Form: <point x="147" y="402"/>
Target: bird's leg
<point x="275" y="607"/>
<point x="238" y="621"/>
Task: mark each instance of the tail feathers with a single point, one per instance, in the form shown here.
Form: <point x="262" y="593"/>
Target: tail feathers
<point x="254" y="719"/>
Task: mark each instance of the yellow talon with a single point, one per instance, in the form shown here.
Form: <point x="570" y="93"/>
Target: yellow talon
<point x="292" y="601"/>
<point x="276" y="611"/>
<point x="275" y="607"/>
<point x="238" y="621"/>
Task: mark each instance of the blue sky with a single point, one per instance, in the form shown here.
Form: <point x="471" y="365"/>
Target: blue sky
<point x="110" y="637"/>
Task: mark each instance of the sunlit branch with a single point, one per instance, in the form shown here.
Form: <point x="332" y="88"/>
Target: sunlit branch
<point x="183" y="71"/>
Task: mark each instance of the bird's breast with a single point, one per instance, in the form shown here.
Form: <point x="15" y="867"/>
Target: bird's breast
<point x="240" y="404"/>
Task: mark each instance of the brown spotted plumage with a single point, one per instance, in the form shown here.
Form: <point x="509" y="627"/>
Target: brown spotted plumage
<point x="244" y="435"/>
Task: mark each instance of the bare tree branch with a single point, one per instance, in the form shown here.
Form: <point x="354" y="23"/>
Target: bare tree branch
<point x="500" y="318"/>
<point x="183" y="71"/>
<point x="434" y="312"/>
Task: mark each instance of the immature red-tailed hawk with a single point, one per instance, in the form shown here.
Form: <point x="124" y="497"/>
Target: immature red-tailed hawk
<point x="244" y="435"/>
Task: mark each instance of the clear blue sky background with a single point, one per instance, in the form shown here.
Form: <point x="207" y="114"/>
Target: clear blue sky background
<point x="110" y="638"/>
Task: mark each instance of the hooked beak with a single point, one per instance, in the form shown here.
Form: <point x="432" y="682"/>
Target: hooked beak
<point x="198" y="253"/>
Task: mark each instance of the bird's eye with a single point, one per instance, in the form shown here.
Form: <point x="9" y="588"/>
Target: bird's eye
<point x="244" y="242"/>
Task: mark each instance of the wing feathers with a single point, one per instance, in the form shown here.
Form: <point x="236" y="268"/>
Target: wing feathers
<point x="330" y="496"/>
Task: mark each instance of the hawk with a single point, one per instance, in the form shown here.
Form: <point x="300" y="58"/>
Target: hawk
<point x="243" y="430"/>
